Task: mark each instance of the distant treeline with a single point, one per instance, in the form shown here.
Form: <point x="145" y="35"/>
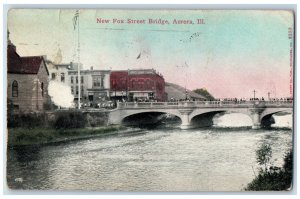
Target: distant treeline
<point x="204" y="93"/>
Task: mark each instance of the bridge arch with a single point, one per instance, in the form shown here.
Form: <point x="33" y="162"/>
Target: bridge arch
<point x="272" y="111"/>
<point x="267" y="119"/>
<point x="205" y="117"/>
<point x="147" y="116"/>
<point x="220" y="110"/>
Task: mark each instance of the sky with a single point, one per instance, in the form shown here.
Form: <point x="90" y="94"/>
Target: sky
<point x="231" y="54"/>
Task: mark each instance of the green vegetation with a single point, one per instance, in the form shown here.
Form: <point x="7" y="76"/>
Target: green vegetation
<point x="70" y="120"/>
<point x="57" y="120"/>
<point x="264" y="155"/>
<point x="271" y="178"/>
<point x="26" y="120"/>
<point x="204" y="93"/>
<point x="26" y="136"/>
<point x="47" y="127"/>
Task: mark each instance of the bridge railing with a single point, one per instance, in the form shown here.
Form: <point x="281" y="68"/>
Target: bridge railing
<point x="194" y="104"/>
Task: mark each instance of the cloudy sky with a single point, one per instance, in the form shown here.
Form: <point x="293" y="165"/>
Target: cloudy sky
<point x="230" y="55"/>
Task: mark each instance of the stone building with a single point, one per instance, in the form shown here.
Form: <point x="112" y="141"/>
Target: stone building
<point x="27" y="81"/>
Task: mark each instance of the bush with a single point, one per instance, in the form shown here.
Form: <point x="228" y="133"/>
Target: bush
<point x="58" y="120"/>
<point x="272" y="178"/>
<point x="26" y="120"/>
<point x="66" y="120"/>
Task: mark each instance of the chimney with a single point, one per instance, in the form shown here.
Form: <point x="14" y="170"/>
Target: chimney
<point x="91" y="67"/>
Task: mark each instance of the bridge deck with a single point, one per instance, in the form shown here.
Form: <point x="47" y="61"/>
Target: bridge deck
<point x="205" y="104"/>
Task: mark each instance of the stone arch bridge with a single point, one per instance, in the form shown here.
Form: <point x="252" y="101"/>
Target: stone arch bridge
<point x="259" y="111"/>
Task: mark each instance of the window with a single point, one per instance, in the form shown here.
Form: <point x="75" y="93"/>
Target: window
<point x="141" y="84"/>
<point x="72" y="79"/>
<point x="42" y="88"/>
<point x="96" y="81"/>
<point x="16" y="107"/>
<point x="62" y="77"/>
<point x="72" y="90"/>
<point x="53" y="75"/>
<point x="102" y="81"/>
<point x="135" y="84"/>
<point x="76" y="79"/>
<point x="15" y="89"/>
<point x="82" y="79"/>
<point x="76" y="90"/>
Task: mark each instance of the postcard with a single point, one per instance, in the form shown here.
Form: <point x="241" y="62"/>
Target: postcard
<point x="161" y="100"/>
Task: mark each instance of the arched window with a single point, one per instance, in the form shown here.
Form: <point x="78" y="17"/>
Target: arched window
<point x="15" y="88"/>
<point x="42" y="88"/>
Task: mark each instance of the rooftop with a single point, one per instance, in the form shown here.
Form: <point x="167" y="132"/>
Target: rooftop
<point x="22" y="65"/>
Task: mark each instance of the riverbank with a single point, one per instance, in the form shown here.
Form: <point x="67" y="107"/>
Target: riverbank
<point x="41" y="136"/>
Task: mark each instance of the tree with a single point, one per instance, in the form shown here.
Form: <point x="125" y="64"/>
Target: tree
<point x="272" y="178"/>
<point x="204" y="93"/>
<point x="264" y="155"/>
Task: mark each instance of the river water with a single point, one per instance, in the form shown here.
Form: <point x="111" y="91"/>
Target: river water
<point x="159" y="159"/>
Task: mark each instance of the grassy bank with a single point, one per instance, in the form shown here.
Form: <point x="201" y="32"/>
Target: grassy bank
<point x="36" y="136"/>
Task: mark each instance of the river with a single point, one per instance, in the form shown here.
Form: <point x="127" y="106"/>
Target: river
<point x="160" y="159"/>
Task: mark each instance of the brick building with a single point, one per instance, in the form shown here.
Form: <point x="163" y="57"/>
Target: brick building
<point x="132" y="85"/>
<point x="27" y="81"/>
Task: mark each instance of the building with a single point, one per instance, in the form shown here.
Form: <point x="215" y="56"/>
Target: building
<point x="95" y="85"/>
<point x="137" y="85"/>
<point x="59" y="72"/>
<point x="27" y="81"/>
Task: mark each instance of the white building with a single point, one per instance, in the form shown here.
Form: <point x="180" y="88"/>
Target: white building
<point x="95" y="85"/>
<point x="59" y="72"/>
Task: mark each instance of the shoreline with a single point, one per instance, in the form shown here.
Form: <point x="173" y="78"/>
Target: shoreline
<point x="22" y="137"/>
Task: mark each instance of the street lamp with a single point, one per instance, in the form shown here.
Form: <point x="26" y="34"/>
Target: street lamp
<point x="186" y="94"/>
<point x="115" y="88"/>
<point x="254" y="91"/>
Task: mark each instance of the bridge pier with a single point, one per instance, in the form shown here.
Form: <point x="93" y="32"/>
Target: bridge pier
<point x="255" y="115"/>
<point x="185" y="120"/>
